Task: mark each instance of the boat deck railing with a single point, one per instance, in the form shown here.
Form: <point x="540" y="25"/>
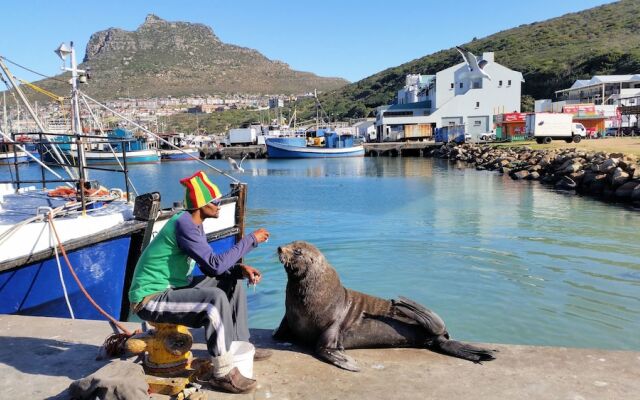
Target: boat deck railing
<point x="43" y="146"/>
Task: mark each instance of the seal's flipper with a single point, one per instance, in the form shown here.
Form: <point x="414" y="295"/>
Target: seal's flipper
<point x="283" y="333"/>
<point x="464" y="350"/>
<point x="420" y="314"/>
<point x="329" y="346"/>
<point x="435" y="327"/>
<point x="338" y="358"/>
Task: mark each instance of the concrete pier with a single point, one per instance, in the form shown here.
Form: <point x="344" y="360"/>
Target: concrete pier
<point x="394" y="149"/>
<point x="40" y="357"/>
<point x="236" y="152"/>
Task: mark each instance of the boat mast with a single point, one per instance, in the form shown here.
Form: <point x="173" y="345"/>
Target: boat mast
<point x="63" y="51"/>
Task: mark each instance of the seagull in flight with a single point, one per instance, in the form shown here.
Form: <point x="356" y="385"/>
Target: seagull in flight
<point x="475" y="65"/>
<point x="235" y="165"/>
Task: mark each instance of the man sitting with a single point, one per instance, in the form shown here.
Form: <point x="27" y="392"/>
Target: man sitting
<point x="163" y="289"/>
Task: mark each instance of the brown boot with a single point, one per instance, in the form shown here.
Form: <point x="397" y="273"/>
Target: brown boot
<point x="233" y="382"/>
<point x="262" y="354"/>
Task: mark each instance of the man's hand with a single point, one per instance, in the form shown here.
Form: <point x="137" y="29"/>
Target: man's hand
<point x="253" y="275"/>
<point x="262" y="235"/>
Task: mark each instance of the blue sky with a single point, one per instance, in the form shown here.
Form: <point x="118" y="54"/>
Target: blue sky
<point x="348" y="39"/>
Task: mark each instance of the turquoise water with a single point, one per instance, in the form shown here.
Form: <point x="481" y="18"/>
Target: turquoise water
<point x="501" y="261"/>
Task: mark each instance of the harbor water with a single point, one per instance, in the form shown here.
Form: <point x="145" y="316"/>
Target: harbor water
<point x="499" y="260"/>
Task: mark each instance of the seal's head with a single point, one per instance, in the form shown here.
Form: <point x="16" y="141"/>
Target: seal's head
<point x="300" y="258"/>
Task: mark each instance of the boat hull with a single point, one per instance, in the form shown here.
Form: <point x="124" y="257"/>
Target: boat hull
<point x="36" y="289"/>
<point x="133" y="157"/>
<point x="279" y="150"/>
<point x="177" y="155"/>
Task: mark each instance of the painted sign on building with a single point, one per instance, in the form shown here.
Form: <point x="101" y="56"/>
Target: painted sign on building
<point x="579" y="109"/>
<point x="510" y="118"/>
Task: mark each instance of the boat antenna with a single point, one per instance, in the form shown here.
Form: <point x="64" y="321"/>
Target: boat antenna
<point x="63" y="51"/>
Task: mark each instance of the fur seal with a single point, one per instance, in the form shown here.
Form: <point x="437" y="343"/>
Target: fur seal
<point x="322" y="313"/>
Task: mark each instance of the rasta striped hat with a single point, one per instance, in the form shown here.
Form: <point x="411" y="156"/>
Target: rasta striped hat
<point x="200" y="191"/>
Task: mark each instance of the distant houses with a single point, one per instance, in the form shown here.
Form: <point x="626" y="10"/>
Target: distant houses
<point x="455" y="96"/>
<point x="600" y="103"/>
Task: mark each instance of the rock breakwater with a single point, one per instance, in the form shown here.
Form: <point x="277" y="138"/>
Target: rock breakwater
<point x="608" y="176"/>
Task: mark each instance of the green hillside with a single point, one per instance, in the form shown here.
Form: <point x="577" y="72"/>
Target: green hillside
<point x="551" y="55"/>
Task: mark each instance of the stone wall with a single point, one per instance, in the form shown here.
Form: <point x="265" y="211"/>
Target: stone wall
<point x="609" y="176"/>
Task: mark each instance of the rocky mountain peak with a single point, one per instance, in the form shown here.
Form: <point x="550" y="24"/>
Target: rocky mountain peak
<point x="153" y="19"/>
<point x="182" y="58"/>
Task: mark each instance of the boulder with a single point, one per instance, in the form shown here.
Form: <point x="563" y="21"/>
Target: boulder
<point x="589" y="176"/>
<point x="617" y="177"/>
<point x="564" y="165"/>
<point x="533" y="176"/>
<point x="551" y="178"/>
<point x="577" y="177"/>
<point x="635" y="194"/>
<point x="625" y="191"/>
<point x="519" y="175"/>
<point x="609" y="164"/>
<point x="545" y="161"/>
<point x="573" y="167"/>
<point x="597" y="186"/>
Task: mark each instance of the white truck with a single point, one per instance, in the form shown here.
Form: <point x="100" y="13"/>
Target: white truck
<point x="545" y="127"/>
<point x="243" y="136"/>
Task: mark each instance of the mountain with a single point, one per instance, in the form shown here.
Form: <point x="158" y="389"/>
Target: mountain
<point x="179" y="58"/>
<point x="551" y="55"/>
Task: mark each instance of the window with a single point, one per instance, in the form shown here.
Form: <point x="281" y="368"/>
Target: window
<point x="477" y="123"/>
<point x="509" y="82"/>
<point x="499" y="83"/>
<point x="397" y="113"/>
<point x="452" y="85"/>
<point x="477" y="104"/>
<point x="460" y="85"/>
<point x="477" y="85"/>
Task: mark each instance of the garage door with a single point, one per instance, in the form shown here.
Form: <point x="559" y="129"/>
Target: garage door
<point x="479" y="124"/>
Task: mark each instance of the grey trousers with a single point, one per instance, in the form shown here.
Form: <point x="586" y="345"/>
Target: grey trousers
<point x="217" y="304"/>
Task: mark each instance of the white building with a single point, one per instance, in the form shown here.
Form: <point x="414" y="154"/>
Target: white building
<point x="601" y="90"/>
<point x="453" y="96"/>
<point x="365" y="129"/>
<point x="606" y="92"/>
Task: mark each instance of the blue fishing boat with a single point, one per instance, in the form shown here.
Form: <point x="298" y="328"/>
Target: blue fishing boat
<point x="334" y="146"/>
<point x="62" y="249"/>
<point x="138" y="149"/>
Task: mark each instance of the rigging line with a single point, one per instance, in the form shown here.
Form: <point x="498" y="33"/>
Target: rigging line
<point x="64" y="286"/>
<point x="109" y="144"/>
<point x="32" y="71"/>
<point x="221" y="172"/>
<point x="80" y="285"/>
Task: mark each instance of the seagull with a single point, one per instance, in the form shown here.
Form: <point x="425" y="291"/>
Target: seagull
<point x="475" y="66"/>
<point x="235" y="165"/>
